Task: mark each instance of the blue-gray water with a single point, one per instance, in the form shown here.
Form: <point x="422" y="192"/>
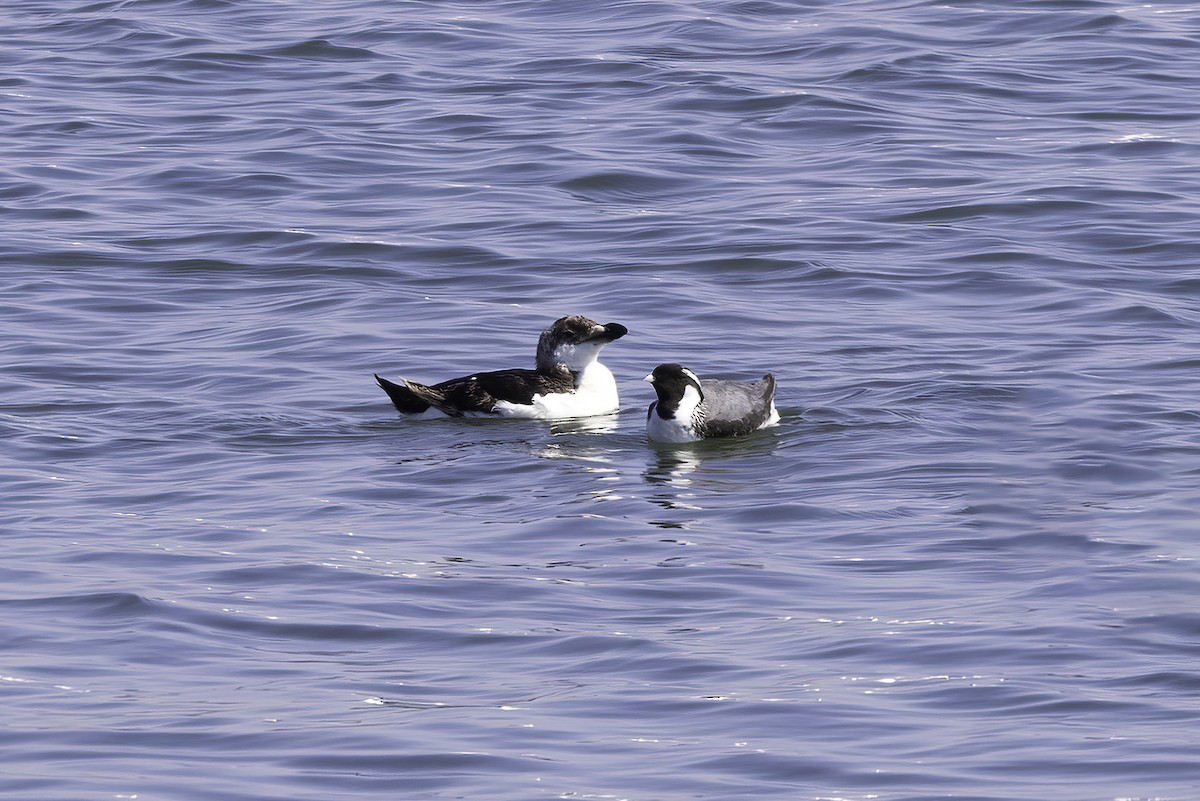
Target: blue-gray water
<point x="964" y="236"/>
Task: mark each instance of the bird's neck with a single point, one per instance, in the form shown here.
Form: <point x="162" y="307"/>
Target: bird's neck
<point x="592" y="374"/>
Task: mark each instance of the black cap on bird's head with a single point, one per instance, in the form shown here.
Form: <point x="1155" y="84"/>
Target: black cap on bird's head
<point x="671" y="382"/>
<point x="577" y="328"/>
<point x="574" y="342"/>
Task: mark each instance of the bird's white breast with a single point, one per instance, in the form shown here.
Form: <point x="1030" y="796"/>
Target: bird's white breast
<point x="679" y="428"/>
<point x="596" y="394"/>
<point x="674" y="430"/>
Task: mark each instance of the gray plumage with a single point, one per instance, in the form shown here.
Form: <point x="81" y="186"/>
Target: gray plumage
<point x="690" y="408"/>
<point x="730" y="408"/>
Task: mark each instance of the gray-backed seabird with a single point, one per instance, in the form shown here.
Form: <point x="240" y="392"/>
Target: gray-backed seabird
<point x="568" y="381"/>
<point x="689" y="408"/>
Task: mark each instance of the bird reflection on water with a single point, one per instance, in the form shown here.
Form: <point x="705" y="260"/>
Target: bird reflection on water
<point x="597" y="424"/>
<point x="679" y="476"/>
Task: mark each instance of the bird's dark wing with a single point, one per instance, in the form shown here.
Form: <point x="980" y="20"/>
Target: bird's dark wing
<point x="482" y="391"/>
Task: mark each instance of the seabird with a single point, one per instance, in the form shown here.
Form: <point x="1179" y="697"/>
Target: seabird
<point x="689" y="408"/>
<point x="567" y="382"/>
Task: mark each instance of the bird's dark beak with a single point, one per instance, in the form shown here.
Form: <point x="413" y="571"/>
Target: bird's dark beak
<point x="612" y="331"/>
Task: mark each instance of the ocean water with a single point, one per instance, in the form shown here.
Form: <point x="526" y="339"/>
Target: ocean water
<point x="964" y="236"/>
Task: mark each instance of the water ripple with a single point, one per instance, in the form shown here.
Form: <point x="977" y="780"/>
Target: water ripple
<point x="961" y="236"/>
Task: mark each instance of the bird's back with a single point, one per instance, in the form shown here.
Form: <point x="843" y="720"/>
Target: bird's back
<point x="735" y="407"/>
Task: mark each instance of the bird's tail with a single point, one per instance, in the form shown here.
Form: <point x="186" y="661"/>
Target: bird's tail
<point x="767" y="386"/>
<point x="410" y="397"/>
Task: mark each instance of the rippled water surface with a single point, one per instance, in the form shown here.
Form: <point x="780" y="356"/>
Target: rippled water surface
<point x="964" y="236"/>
